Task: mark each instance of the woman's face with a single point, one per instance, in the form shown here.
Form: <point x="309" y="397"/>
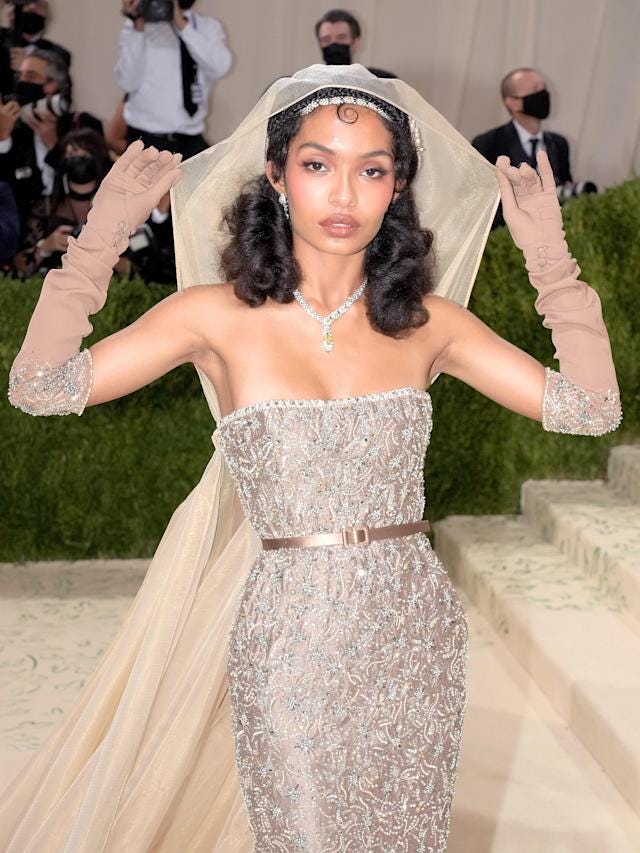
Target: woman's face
<point x="339" y="179"/>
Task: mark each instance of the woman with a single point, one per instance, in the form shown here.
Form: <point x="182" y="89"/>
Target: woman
<point x="85" y="162"/>
<point x="291" y="675"/>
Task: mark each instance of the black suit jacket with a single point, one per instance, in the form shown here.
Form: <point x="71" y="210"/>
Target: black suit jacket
<point x="19" y="168"/>
<point x="505" y="140"/>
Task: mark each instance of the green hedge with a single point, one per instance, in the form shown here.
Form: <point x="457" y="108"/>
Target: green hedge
<point x="106" y="484"/>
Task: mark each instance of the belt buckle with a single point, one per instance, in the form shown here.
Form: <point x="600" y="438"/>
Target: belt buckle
<point x="355" y="535"/>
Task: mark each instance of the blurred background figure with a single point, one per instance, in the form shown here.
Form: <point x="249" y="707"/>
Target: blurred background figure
<point x="168" y="58"/>
<point x="34" y="116"/>
<point x="116" y="131"/>
<point x="339" y="38"/>
<point x="53" y="218"/>
<point x="25" y="24"/>
<point x="9" y="226"/>
<point x="528" y="101"/>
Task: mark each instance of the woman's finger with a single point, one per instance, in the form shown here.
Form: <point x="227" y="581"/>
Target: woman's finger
<point x="149" y="173"/>
<point x="130" y="153"/>
<point x="144" y="158"/>
<point x="506" y="187"/>
<point x="168" y="180"/>
<point x="546" y="172"/>
<point x="530" y="179"/>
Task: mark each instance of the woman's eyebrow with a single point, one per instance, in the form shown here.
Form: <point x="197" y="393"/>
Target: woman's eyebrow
<point x="381" y="152"/>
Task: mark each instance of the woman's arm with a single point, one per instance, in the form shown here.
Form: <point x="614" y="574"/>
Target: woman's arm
<point x="50" y="375"/>
<point x="581" y="398"/>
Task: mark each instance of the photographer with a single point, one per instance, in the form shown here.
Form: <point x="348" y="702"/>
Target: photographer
<point x="85" y="161"/>
<point x="27" y="22"/>
<point x="168" y="58"/>
<point x="32" y="120"/>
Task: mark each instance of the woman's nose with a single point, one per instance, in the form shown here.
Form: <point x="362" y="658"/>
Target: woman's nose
<point x="343" y="192"/>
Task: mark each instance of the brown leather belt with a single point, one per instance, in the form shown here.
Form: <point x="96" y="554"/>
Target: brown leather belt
<point x="361" y="535"/>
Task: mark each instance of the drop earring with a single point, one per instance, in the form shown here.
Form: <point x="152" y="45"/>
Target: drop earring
<point x="285" y="204"/>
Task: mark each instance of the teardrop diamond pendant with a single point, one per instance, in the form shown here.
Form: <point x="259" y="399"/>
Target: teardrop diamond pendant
<point x="327" y="338"/>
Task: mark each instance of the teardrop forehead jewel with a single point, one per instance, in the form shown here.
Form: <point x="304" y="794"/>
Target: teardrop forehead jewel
<point x="370" y="105"/>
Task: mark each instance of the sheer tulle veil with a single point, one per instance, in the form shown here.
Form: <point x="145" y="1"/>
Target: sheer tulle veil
<point x="145" y="761"/>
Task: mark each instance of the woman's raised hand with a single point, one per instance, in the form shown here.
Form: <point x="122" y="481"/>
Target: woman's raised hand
<point x="529" y="201"/>
<point x="134" y="185"/>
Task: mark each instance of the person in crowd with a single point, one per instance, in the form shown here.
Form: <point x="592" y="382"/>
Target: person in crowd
<point x="527" y="99"/>
<point x="167" y="69"/>
<point x="339" y="37"/>
<point x="29" y="150"/>
<point x="9" y="224"/>
<point x="84" y="163"/>
<point x="54" y="218"/>
<point x="25" y="33"/>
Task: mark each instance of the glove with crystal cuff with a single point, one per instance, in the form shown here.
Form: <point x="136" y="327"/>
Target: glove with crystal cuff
<point x="583" y="397"/>
<point x="50" y="375"/>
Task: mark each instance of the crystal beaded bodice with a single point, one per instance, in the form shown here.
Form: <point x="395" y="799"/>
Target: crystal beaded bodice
<point x="310" y="466"/>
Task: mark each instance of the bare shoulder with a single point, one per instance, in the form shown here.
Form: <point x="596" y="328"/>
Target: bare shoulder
<point x="203" y="295"/>
<point x="205" y="301"/>
<point x="449" y="322"/>
<point x="214" y="311"/>
<point x="450" y="317"/>
<point x="441" y="308"/>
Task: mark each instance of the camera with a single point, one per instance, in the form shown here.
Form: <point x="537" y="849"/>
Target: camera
<point x="573" y="190"/>
<point x="56" y="105"/>
<point x="156" y="11"/>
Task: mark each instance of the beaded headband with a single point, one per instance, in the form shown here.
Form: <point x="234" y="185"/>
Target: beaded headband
<point x="337" y="100"/>
<point x="343" y="99"/>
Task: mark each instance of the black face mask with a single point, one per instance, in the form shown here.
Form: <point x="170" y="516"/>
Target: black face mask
<point x="186" y="4"/>
<point x="32" y="23"/>
<point x="80" y="169"/>
<point x="28" y="93"/>
<point x="537" y="105"/>
<point x="337" y="54"/>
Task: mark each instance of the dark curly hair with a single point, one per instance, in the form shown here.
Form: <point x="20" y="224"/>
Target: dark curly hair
<point x="259" y="257"/>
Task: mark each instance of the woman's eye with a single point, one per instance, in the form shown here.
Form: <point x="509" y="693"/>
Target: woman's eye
<point x="374" y="172"/>
<point x="312" y="164"/>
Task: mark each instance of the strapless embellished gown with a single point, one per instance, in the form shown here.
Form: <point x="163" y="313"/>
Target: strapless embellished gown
<point x="346" y="665"/>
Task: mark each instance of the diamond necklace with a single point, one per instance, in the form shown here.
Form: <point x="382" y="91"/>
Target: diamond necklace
<point x="327" y="337"/>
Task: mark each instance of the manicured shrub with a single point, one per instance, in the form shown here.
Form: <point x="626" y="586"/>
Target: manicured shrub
<point x="106" y="484"/>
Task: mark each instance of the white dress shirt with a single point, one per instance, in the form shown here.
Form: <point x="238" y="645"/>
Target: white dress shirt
<point x="149" y="68"/>
<point x="526" y="137"/>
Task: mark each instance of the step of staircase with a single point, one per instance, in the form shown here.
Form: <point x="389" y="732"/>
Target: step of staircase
<point x="597" y="527"/>
<point x="526" y="783"/>
<point x="574" y="637"/>
<point x="623" y="471"/>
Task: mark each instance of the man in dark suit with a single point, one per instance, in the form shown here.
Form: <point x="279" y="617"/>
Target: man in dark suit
<point x="527" y="99"/>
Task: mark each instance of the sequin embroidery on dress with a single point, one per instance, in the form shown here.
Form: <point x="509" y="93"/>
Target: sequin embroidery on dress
<point x="346" y="666"/>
